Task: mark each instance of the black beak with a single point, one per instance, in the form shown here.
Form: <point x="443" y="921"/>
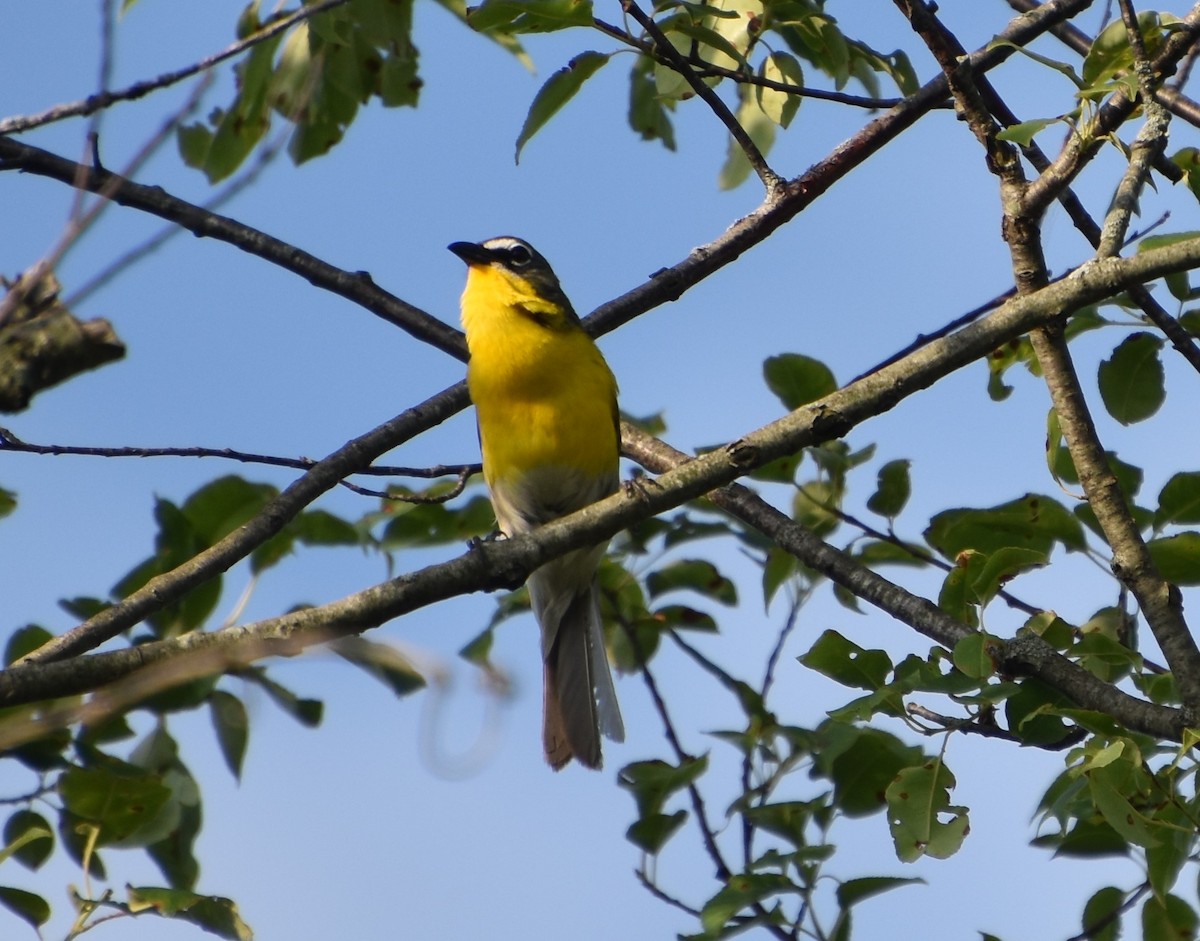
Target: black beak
<point x="472" y="253"/>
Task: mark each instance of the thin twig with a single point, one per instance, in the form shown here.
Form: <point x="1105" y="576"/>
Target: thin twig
<point x="771" y="180"/>
<point x="105" y="98"/>
<point x="10" y="442"/>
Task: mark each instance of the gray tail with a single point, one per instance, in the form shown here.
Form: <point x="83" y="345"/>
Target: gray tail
<point x="580" y="701"/>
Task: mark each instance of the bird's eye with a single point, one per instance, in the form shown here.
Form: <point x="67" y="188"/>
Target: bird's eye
<point x="519" y="256"/>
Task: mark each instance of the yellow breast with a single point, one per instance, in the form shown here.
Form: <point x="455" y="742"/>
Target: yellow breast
<point x="543" y="393"/>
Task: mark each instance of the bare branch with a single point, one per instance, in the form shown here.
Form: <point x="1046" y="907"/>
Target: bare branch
<point x="104" y="98"/>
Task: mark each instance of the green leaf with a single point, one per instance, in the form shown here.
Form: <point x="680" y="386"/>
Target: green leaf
<point x="1033" y="521"/>
<point x="647" y="112"/>
<point x="741" y="892"/>
<point x="1132" y="380"/>
<point x="1179" y="500"/>
<point x="651" y="832"/>
<point x="798" y="379"/>
<point x="1111" y="55"/>
<point x="892" y="490"/>
<point x="1101" y="914"/>
<point x="849" y="664"/>
<point x="23" y="641"/>
<point x="862" y="765"/>
<point x="652" y="782"/>
<point x="1031" y="713"/>
<point x="1177" y="282"/>
<point x="560" y="88"/>
<point x="382" y="661"/>
<point x="1188" y="160"/>
<point x="8" y="502"/>
<point x="1002" y="566"/>
<point x="121" y="805"/>
<point x="28" y="839"/>
<point x="922" y="819"/>
<point x="1023" y="133"/>
<point x="780" y="106"/>
<point x="232" y="725"/>
<point x="698" y="575"/>
<point x="853" y="891"/>
<point x="529" y="16"/>
<point x="973" y="655"/>
<point x="1169" y="919"/>
<point x="32" y="909"/>
<point x="307" y="712"/>
<point x="1177" y="557"/>
<point x="214" y="914"/>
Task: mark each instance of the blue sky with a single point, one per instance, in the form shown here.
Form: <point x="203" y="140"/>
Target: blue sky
<point x="351" y="830"/>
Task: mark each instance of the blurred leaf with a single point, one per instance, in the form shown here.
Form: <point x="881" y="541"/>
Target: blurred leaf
<point x="698" y="575"/>
<point x="307" y="712"/>
<point x="1111" y="56"/>
<point x="1033" y="521"/>
<point x="853" y="891"/>
<point x="1023" y="133"/>
<point x="529" y="16"/>
<point x="1177" y="557"/>
<point x="1030" y="713"/>
<point x="849" y="664"/>
<point x="8" y="502"/>
<point x="1177" y="282"/>
<point x="1101" y="914"/>
<point x="25" y="640"/>
<point x="434" y="524"/>
<point x="958" y="597"/>
<point x="382" y="661"/>
<point x="862" y="767"/>
<point x="652" y="782"/>
<point x="121" y="805"/>
<point x="1132" y="380"/>
<point x="647" y="112"/>
<point x="779" y="106"/>
<point x="214" y="914"/>
<point x="232" y="725"/>
<point x="798" y="379"/>
<point x="922" y="819"/>
<point x="31" y="909"/>
<point x="740" y="892"/>
<point x="651" y="832"/>
<point x="28" y="839"/>
<point x="893" y="489"/>
<point x="974" y="655"/>
<point x="561" y="87"/>
<point x="1169" y="919"/>
<point x="1002" y="566"/>
<point x="1179" y="500"/>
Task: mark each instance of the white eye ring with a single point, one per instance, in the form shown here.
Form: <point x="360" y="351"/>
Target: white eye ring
<point x="519" y="256"/>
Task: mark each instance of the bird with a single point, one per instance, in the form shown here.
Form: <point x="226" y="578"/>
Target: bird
<point x="546" y="406"/>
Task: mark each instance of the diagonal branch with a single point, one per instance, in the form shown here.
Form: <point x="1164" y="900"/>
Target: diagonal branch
<point x="770" y="179"/>
<point x="354" y="286"/>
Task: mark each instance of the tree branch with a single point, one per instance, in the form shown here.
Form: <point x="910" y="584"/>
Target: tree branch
<point x="771" y="180"/>
<point x="504" y="564"/>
